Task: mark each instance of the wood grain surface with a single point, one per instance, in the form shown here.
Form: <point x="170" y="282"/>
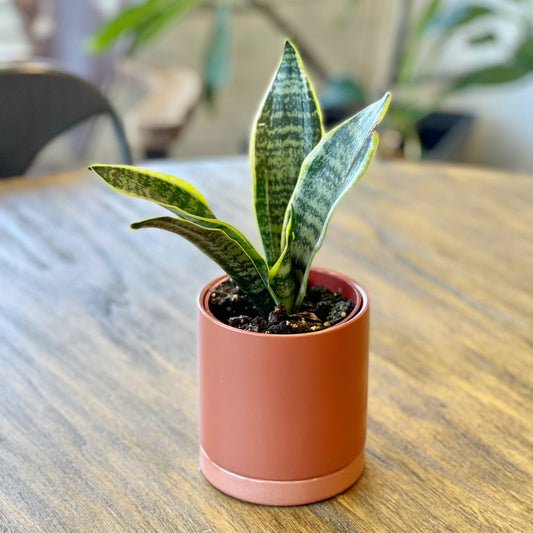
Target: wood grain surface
<point x="98" y="408"/>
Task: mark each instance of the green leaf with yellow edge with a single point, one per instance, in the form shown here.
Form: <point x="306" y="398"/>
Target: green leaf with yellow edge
<point x="287" y="128"/>
<point x="216" y="242"/>
<point x="179" y="197"/>
<point x="171" y="192"/>
<point x="335" y="165"/>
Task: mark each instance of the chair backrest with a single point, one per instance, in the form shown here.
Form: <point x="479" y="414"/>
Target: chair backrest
<point x="36" y="104"/>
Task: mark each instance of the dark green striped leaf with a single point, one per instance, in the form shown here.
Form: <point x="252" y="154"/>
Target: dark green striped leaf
<point x="217" y="243"/>
<point x="173" y="193"/>
<point x="287" y="128"/>
<point x="335" y="165"/>
<point x="187" y="202"/>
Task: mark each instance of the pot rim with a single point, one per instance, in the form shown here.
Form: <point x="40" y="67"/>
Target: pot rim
<point x="357" y="311"/>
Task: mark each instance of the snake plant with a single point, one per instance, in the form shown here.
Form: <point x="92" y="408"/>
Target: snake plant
<point x="299" y="175"/>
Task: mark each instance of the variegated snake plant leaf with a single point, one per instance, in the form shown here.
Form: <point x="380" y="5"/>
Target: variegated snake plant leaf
<point x="287" y="128"/>
<point x="330" y="170"/>
<point x="231" y="255"/>
<point x="220" y="241"/>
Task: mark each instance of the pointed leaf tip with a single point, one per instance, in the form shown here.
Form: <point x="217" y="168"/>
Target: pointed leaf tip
<point x="386" y="99"/>
<point x="289" y="47"/>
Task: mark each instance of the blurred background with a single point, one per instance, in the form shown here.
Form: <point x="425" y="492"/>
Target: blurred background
<point x="187" y="76"/>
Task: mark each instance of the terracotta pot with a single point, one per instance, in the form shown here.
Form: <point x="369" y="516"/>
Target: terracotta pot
<point x="283" y="417"/>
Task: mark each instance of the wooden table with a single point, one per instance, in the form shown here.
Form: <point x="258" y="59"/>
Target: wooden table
<point x="98" y="412"/>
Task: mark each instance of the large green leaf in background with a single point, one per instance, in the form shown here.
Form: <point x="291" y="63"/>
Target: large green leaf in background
<point x="335" y="165"/>
<point x="518" y="66"/>
<point x="228" y="253"/>
<point x="407" y="60"/>
<point x="141" y="22"/>
<point x="287" y="128"/>
<point x="444" y="23"/>
<point x="460" y="15"/>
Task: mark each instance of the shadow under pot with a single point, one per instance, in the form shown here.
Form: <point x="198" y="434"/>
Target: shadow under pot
<point x="283" y="417"/>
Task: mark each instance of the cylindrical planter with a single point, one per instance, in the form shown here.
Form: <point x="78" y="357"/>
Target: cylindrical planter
<point x="283" y="417"/>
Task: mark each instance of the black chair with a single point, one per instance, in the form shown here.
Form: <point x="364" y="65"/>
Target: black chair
<point x="36" y="104"/>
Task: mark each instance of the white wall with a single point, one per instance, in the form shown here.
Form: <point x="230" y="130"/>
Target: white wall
<point x="503" y="132"/>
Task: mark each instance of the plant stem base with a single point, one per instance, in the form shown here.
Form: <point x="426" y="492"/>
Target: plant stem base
<point x="268" y="492"/>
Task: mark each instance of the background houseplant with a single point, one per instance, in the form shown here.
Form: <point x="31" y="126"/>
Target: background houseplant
<point x="135" y="26"/>
<point x="424" y="37"/>
<point x="282" y="417"/>
<point x="425" y="33"/>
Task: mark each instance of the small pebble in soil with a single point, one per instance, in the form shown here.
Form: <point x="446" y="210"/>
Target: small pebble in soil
<point x="320" y="309"/>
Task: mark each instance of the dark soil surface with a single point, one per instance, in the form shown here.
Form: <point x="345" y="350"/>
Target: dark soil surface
<point x="320" y="309"/>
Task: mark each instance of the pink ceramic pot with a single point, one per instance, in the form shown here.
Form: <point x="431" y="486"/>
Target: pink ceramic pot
<point x="283" y="417"/>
